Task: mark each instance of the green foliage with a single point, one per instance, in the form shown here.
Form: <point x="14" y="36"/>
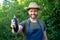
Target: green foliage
<point x="50" y="14"/>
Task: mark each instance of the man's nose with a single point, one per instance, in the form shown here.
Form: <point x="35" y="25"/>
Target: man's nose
<point x="33" y="12"/>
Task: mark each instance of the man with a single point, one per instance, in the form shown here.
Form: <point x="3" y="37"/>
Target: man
<point x="33" y="29"/>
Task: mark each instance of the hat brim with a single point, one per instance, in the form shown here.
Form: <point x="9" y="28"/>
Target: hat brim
<point x="27" y="8"/>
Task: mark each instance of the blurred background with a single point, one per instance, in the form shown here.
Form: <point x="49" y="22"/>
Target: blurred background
<point x="50" y="14"/>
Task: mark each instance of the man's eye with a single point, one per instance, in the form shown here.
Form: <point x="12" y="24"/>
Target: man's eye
<point x="34" y="11"/>
<point x="31" y="11"/>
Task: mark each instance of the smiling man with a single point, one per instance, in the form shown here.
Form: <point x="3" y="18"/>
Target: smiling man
<point x="33" y="29"/>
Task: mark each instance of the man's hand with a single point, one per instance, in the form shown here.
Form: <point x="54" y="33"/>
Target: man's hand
<point x="44" y="36"/>
<point x="12" y="24"/>
<point x="20" y="27"/>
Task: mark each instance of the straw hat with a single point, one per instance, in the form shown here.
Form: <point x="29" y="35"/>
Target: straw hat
<point x="32" y="5"/>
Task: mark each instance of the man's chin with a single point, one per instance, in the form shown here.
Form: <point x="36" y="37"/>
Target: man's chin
<point x="33" y="17"/>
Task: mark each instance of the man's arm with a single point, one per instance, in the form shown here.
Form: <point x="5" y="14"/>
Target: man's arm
<point x="44" y="35"/>
<point x="20" y="27"/>
<point x="44" y="32"/>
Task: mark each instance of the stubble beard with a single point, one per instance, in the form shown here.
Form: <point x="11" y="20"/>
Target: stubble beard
<point x="35" y="16"/>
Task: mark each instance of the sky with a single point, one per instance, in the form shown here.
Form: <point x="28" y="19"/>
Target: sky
<point x="1" y="2"/>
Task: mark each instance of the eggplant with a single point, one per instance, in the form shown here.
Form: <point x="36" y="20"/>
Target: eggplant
<point x="16" y="23"/>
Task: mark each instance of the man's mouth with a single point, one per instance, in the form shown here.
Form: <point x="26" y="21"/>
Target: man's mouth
<point x="33" y="14"/>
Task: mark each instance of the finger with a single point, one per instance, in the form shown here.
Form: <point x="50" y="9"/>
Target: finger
<point x="12" y="23"/>
<point x="12" y="20"/>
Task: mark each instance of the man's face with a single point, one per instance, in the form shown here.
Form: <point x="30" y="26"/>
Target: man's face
<point x="33" y="13"/>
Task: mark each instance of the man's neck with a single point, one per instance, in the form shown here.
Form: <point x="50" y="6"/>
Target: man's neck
<point x="33" y="20"/>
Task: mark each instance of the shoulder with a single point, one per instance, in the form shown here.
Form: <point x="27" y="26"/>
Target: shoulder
<point x="42" y="24"/>
<point x="23" y="22"/>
